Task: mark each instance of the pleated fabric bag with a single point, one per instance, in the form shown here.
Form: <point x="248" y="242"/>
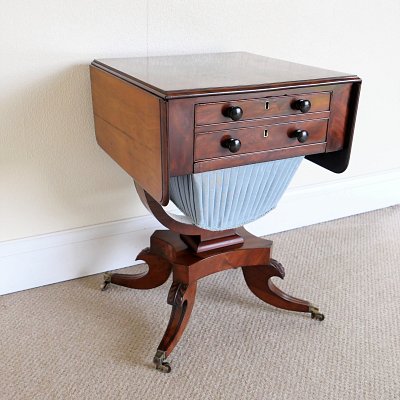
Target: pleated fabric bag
<point x="232" y="197"/>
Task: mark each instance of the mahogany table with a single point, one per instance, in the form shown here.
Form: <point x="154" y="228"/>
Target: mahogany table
<point x="165" y="117"/>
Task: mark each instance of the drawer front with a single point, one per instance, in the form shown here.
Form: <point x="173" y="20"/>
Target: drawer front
<point x="260" y="138"/>
<point x="214" y="113"/>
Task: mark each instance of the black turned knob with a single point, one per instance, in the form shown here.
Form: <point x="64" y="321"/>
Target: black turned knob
<point x="300" y="135"/>
<point x="302" y="105"/>
<point x="233" y="145"/>
<point x="234" y="113"/>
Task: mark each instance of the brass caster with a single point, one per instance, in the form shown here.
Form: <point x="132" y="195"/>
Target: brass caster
<point x="161" y="364"/>
<point x="315" y="314"/>
<point x="164" y="367"/>
<point x="107" y="281"/>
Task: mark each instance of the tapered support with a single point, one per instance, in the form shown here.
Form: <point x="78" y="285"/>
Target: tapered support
<point x="159" y="271"/>
<point x="181" y="297"/>
<point x="258" y="279"/>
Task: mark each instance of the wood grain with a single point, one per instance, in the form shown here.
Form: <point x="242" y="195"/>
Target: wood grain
<point x="257" y="157"/>
<point x="203" y="74"/>
<point x="212" y="113"/>
<point x="208" y="145"/>
<point x="181" y="136"/>
<point x="338" y="118"/>
<point x="129" y="125"/>
<point x="182" y="128"/>
<point x="271" y="120"/>
<point x="341" y="129"/>
<point x="196" y="238"/>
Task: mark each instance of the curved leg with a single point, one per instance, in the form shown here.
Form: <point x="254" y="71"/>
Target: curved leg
<point x="181" y="297"/>
<point x="159" y="271"/>
<point x="258" y="279"/>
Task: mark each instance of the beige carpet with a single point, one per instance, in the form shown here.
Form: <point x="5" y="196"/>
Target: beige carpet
<point x="72" y="341"/>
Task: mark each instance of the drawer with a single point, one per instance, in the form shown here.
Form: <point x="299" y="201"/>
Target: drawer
<point x="260" y="138"/>
<point x="214" y="113"/>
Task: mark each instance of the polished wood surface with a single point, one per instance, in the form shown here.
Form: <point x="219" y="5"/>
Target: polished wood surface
<point x="198" y="239"/>
<point x="201" y="74"/>
<point x="258" y="279"/>
<point x="260" y="138"/>
<point x="173" y="148"/>
<point x="213" y="113"/>
<point x="160" y="117"/>
<point x="169" y="253"/>
<point x="130" y="127"/>
<point x="157" y="274"/>
<point x="180" y="136"/>
<point x="342" y="110"/>
<point x="235" y="160"/>
<point x="277" y="119"/>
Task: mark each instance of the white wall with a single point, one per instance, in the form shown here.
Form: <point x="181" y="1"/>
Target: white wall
<point x="54" y="177"/>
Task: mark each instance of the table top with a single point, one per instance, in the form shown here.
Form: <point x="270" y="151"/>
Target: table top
<point x="188" y="75"/>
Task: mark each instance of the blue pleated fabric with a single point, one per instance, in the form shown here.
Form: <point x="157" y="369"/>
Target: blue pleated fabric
<point x="231" y="197"/>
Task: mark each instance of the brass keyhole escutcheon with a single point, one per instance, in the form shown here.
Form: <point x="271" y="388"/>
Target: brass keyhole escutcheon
<point x="267" y="105"/>
<point x="265" y="133"/>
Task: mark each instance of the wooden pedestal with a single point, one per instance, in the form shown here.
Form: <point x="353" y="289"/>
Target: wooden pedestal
<point x="191" y="253"/>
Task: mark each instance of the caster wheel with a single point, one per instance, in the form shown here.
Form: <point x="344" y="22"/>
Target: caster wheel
<point x="318" y="316"/>
<point x="164" y="367"/>
<point x="161" y="364"/>
<point x="315" y="314"/>
<point x="106" y="283"/>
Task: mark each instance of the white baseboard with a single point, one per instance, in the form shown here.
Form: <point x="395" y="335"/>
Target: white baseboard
<point x="45" y="259"/>
<point x="308" y="205"/>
